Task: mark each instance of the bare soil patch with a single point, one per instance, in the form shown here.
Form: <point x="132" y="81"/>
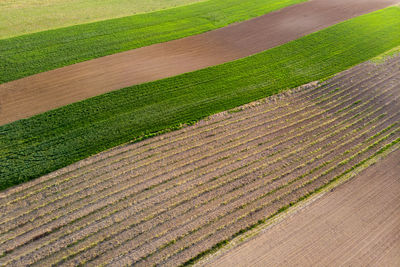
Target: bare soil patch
<point x="356" y="225"/>
<point x="45" y="91"/>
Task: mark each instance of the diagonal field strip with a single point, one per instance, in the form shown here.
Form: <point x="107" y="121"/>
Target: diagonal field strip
<point x="49" y="90"/>
<point x="184" y="192"/>
<point x="47" y="142"/>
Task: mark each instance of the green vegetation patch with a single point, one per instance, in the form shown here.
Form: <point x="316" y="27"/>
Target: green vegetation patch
<point x="28" y="16"/>
<point x="32" y="147"/>
<point x="33" y="53"/>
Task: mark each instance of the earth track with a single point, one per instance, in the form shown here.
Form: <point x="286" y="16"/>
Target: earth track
<point x="183" y="192"/>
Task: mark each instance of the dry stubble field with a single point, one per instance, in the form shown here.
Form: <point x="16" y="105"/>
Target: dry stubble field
<point x="169" y="198"/>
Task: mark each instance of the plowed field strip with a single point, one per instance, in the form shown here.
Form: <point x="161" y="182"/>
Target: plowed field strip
<point x="184" y="192"/>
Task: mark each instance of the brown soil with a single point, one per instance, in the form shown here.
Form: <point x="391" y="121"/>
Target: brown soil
<point x="45" y="91"/>
<point x="358" y="224"/>
<point x="168" y="198"/>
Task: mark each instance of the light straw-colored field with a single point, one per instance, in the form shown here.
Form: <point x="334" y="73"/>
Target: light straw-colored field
<point x="170" y="198"/>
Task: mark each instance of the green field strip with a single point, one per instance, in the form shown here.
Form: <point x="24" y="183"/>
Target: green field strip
<point x="234" y="217"/>
<point x="220" y="137"/>
<point x="256" y="207"/>
<point x="52" y="140"/>
<point x="38" y="52"/>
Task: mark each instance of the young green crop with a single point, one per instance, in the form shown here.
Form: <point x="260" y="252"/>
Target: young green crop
<point x="33" y="53"/>
<point x="46" y="142"/>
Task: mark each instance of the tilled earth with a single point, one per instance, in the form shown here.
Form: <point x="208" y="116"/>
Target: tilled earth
<point x="357" y="224"/>
<point x="167" y="199"/>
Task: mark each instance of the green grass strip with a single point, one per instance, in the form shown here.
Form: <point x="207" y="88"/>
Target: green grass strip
<point x="32" y="147"/>
<point x="38" y="52"/>
<point x="383" y="57"/>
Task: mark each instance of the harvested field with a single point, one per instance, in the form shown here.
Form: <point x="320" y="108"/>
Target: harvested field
<point x="356" y="225"/>
<point x="170" y="198"/>
<point x="48" y="90"/>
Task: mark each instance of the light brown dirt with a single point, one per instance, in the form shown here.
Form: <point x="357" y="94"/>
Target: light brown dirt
<point x="45" y="91"/>
<point x="358" y="224"/>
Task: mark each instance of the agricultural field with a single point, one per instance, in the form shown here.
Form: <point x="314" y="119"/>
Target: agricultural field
<point x="174" y="198"/>
<point x="52" y="140"/>
<point x="199" y="132"/>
